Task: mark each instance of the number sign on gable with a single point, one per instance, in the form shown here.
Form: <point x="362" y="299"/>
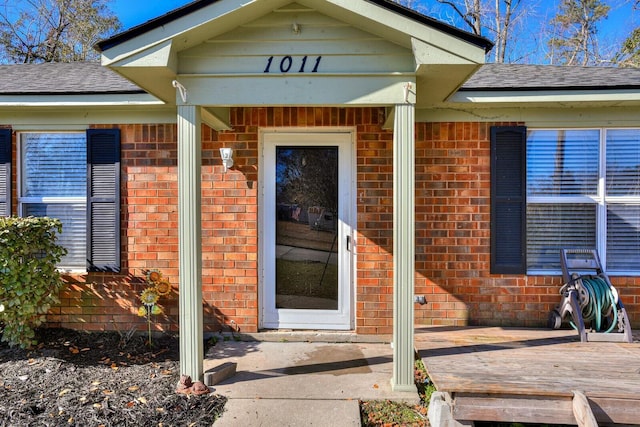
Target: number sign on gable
<point x="289" y="64"/>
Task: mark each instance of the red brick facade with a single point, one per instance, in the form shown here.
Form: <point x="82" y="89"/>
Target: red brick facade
<point x="452" y="229"/>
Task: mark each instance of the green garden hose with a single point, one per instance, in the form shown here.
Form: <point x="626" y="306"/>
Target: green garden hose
<point x="602" y="303"/>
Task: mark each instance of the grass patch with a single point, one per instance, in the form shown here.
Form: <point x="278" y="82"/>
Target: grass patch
<point x="387" y="413"/>
<point x="377" y="413"/>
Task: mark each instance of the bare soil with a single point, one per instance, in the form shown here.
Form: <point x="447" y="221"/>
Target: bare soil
<point x="75" y="378"/>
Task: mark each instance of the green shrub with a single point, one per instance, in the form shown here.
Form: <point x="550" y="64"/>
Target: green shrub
<point x="29" y="281"/>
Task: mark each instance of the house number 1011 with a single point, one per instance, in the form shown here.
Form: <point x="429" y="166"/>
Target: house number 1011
<point x="287" y="63"/>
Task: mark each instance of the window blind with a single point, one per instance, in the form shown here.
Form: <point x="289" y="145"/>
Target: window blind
<point x="551" y="227"/>
<point x="74" y="227"/>
<point x="623" y="162"/>
<point x="623" y="237"/>
<point x="54" y="184"/>
<point x="54" y="165"/>
<point x="562" y="162"/>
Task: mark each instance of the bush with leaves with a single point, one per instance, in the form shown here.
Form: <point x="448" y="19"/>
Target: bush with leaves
<point x="29" y="280"/>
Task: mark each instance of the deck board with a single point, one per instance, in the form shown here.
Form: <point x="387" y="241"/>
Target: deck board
<point x="495" y="374"/>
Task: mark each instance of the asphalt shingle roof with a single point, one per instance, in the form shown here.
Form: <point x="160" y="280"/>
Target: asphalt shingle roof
<point x="73" y="78"/>
<point x="79" y="78"/>
<point x="502" y="77"/>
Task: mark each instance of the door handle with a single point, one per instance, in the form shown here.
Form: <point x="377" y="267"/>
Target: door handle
<point x="349" y="243"/>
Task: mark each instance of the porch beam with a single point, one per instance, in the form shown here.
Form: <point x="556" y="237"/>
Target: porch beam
<point x="403" y="244"/>
<point x="190" y="241"/>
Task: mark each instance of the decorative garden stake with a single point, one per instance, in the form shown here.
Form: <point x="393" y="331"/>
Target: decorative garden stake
<point x="157" y="287"/>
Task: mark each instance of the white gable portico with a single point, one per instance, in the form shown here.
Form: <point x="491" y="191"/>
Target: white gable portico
<point x="212" y="55"/>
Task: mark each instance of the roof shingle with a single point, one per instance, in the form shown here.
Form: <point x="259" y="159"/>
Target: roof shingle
<point x="73" y="78"/>
<point x="88" y="78"/>
<point x="502" y="77"/>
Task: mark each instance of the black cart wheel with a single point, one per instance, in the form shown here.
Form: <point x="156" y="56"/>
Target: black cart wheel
<point x="554" y="321"/>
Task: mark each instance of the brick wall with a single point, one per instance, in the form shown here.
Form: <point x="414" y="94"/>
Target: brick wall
<point x="453" y="239"/>
<point x="452" y="229"/>
<point x="229" y="224"/>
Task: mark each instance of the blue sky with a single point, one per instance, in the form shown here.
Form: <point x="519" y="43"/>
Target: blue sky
<point x="133" y="12"/>
<point x="621" y="21"/>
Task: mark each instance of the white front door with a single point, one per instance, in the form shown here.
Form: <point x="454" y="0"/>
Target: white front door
<point x="306" y="226"/>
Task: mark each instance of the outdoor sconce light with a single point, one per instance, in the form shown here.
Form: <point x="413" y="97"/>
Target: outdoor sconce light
<point x="226" y="154"/>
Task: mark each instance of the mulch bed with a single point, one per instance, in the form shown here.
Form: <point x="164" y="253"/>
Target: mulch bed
<point x="75" y="378"/>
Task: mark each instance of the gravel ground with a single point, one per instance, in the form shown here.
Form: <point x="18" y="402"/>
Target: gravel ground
<point x="75" y="378"/>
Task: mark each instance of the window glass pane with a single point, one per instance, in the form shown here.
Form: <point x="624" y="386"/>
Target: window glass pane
<point x="74" y="229"/>
<point x="551" y="227"/>
<point x="623" y="237"/>
<point x="562" y="162"/>
<point x="54" y="165"/>
<point x="623" y="162"/>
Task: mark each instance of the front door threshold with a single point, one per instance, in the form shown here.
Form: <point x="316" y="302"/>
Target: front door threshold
<point x="288" y="335"/>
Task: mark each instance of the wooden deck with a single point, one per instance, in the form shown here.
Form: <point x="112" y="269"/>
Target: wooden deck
<point x="526" y="375"/>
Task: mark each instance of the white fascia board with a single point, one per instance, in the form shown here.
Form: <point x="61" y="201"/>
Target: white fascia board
<point x="69" y="118"/>
<point x="194" y="28"/>
<point x="394" y="27"/>
<point x="159" y="55"/>
<point x="87" y="100"/>
<point x="427" y="53"/>
<point x="537" y="116"/>
<point x="545" y="96"/>
<point x="331" y="89"/>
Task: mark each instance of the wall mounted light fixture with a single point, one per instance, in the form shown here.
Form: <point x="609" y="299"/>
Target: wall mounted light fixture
<point x="226" y="153"/>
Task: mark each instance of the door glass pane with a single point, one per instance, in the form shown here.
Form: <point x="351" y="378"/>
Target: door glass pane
<point x="307" y="227"/>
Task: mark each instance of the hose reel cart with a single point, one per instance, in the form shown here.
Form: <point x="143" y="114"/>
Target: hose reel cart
<point x="589" y="298"/>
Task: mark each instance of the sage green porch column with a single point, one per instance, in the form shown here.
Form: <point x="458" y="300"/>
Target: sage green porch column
<point x="190" y="241"/>
<point x="403" y="246"/>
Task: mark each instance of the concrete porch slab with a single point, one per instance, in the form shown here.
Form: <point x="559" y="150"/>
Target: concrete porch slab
<point x="326" y="379"/>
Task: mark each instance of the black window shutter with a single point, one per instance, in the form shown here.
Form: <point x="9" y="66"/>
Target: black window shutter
<point x="508" y="200"/>
<point x="5" y="172"/>
<point x="103" y="200"/>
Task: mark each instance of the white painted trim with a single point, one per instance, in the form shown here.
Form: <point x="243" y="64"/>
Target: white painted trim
<point x="269" y="316"/>
<point x="537" y="116"/>
<point x="497" y="97"/>
<point x="79" y="119"/>
<point x="85" y="100"/>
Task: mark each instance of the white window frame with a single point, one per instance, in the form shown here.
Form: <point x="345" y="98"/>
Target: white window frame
<point x="600" y="200"/>
<point x="45" y="200"/>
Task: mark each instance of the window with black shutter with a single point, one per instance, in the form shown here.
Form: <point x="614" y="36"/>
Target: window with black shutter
<point x="508" y="200"/>
<point x="5" y="172"/>
<point x="103" y="200"/>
